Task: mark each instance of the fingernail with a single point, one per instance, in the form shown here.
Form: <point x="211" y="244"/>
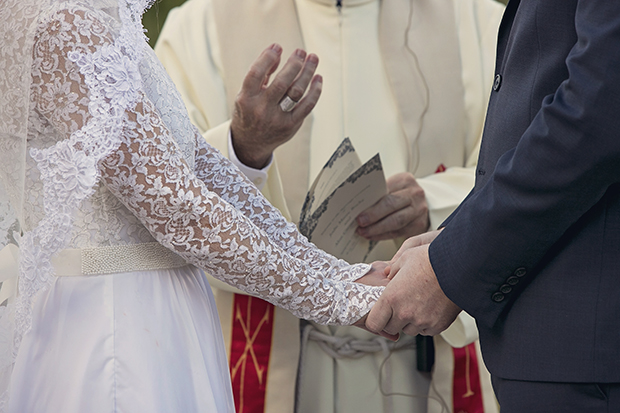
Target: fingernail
<point x="362" y="220"/>
<point x="301" y="53"/>
<point x="361" y="232"/>
<point x="276" y="47"/>
<point x="313" y="58"/>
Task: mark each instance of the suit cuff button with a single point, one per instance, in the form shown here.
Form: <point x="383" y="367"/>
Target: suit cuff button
<point x="520" y="272"/>
<point x="497" y="83"/>
<point x="498" y="297"/>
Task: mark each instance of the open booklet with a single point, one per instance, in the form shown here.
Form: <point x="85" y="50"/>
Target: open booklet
<point x="342" y="190"/>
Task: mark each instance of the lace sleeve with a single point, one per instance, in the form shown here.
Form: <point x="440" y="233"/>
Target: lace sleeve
<point x="148" y="173"/>
<point x="222" y="177"/>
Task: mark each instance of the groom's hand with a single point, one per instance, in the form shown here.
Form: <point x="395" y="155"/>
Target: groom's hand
<point x="361" y="323"/>
<point x="413" y="301"/>
<point x="413" y="242"/>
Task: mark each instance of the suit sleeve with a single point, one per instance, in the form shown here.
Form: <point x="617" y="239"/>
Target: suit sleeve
<point x="561" y="167"/>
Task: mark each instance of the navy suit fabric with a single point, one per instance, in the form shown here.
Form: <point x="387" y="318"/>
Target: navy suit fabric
<point x="533" y="253"/>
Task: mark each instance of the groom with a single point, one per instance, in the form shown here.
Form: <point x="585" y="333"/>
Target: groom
<point x="533" y="252"/>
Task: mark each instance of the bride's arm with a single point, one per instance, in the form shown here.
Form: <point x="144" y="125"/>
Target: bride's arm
<point x="148" y="173"/>
<point x="265" y="119"/>
<point x="152" y="179"/>
<point x="223" y="178"/>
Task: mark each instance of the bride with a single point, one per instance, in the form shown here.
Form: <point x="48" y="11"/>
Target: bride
<point x="113" y="205"/>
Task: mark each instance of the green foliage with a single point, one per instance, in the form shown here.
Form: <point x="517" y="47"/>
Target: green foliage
<point x="154" y="18"/>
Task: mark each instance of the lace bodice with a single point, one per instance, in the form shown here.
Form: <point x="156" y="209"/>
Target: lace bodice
<point x="159" y="179"/>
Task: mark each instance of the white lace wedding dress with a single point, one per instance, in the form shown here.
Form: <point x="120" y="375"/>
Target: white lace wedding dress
<point x="115" y="178"/>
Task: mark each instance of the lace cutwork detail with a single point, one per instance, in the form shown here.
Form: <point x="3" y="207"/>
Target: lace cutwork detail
<point x="85" y="104"/>
<point x="153" y="173"/>
<point x="222" y="177"/>
<point x="113" y="160"/>
<point x="150" y="175"/>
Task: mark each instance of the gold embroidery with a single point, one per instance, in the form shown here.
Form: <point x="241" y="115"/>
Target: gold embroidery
<point x="469" y="392"/>
<point x="250" y="337"/>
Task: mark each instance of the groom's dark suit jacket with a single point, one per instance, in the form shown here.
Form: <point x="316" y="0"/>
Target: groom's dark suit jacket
<point x="534" y="251"/>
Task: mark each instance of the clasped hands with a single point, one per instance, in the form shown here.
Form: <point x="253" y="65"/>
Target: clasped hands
<point x="413" y="302"/>
<point x="263" y="119"/>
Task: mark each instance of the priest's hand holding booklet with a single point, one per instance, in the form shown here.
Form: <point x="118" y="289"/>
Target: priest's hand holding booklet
<point x="342" y="190"/>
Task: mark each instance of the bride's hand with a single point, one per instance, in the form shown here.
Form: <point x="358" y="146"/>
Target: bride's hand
<point x="376" y="276"/>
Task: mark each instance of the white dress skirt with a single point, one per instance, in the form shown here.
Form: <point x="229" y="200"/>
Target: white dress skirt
<point x="146" y="341"/>
<point x="115" y="171"/>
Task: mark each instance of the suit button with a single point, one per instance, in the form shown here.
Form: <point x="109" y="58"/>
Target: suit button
<point x="498" y="297"/>
<point x="498" y="82"/>
<point x="505" y="288"/>
<point x="512" y="280"/>
<point x="520" y="272"/>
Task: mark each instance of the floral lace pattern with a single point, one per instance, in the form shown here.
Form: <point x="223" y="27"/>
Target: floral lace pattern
<point x="87" y="86"/>
<point x="220" y="176"/>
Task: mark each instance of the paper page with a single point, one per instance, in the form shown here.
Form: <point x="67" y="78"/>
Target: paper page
<point x="343" y="162"/>
<point x="332" y="225"/>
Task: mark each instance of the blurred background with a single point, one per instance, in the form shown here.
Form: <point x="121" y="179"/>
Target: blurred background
<point x="154" y="18"/>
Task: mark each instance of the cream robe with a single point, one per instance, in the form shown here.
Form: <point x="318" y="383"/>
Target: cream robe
<point x="423" y="108"/>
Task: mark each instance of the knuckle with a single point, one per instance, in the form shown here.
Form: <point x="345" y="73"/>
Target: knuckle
<point x="278" y="85"/>
<point x="391" y="301"/>
<point x="296" y="92"/>
<point x="423" y="207"/>
<point x="417" y="217"/>
<point x="255" y="73"/>
<point x="408" y="178"/>
<point x="260" y="112"/>
<point x="296" y="63"/>
<point x="418" y="192"/>
<point x="400" y="220"/>
<point x="372" y="325"/>
<point x="308" y="108"/>
<point x="408" y="315"/>
<point x="241" y="100"/>
<point x="390" y="201"/>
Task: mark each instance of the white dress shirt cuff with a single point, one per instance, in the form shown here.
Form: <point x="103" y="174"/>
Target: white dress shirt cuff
<point x="257" y="176"/>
